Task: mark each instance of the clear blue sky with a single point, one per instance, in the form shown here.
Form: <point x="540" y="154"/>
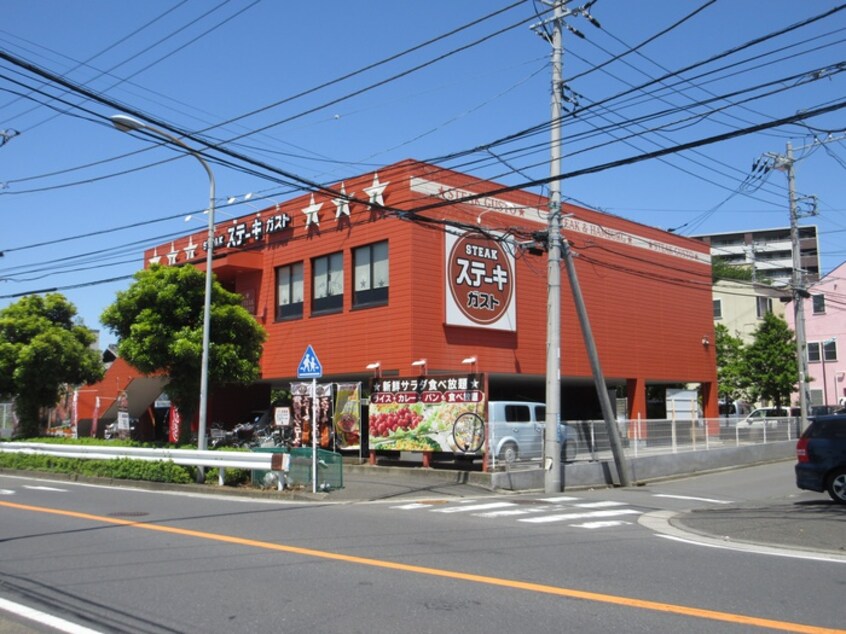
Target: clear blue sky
<point x="198" y="64"/>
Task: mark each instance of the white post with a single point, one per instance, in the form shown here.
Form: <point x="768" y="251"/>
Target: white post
<point x="314" y="435"/>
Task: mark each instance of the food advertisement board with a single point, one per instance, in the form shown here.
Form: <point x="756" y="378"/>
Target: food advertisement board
<point x="347" y="417"/>
<point x="302" y="408"/>
<point x="428" y="413"/>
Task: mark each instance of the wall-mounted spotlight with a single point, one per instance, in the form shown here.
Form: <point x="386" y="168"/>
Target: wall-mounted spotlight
<point x="420" y="363"/>
<point x="706" y="341"/>
<point x="376" y="367"/>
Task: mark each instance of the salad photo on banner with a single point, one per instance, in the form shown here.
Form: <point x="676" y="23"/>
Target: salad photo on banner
<point x="302" y="408"/>
<point x="443" y="413"/>
<point x="347" y="419"/>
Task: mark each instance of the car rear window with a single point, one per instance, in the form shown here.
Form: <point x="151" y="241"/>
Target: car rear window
<point x="828" y="428"/>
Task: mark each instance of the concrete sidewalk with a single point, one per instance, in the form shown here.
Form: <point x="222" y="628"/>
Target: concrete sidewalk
<point x="814" y="525"/>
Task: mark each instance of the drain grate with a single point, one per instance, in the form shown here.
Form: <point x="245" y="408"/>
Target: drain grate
<point x="128" y="514"/>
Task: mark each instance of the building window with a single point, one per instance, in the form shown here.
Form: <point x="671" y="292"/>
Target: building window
<point x="327" y="289"/>
<point x="371" y="274"/>
<point x="764" y="305"/>
<point x="813" y="352"/>
<point x="830" y="350"/>
<point x="289" y="291"/>
<point x="718" y="309"/>
<point x="819" y="304"/>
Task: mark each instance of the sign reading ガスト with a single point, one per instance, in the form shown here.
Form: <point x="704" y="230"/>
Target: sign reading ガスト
<point x="480" y="283"/>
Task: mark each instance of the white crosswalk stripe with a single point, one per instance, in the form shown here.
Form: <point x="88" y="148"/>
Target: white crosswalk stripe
<point x="572" y="511"/>
<point x="598" y="505"/>
<point x="562" y="517"/>
<point x="474" y="507"/>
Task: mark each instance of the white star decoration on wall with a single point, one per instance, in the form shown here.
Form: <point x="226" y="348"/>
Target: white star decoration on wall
<point x="375" y="191"/>
<point x="190" y="249"/>
<point x="342" y="204"/>
<point x="375" y="196"/>
<point x="312" y="218"/>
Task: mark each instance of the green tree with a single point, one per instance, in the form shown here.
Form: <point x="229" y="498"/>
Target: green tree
<point x="731" y="365"/>
<point x="159" y="324"/>
<point x="43" y="348"/>
<point x="722" y="270"/>
<point x="771" y="367"/>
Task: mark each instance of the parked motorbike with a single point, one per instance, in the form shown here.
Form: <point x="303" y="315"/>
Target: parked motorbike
<point x="251" y="435"/>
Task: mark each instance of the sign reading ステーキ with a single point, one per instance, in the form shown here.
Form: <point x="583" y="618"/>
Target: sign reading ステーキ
<point x="480" y="283"/>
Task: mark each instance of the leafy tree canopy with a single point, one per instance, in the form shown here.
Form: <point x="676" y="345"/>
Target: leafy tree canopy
<point x="42" y="349"/>
<point x="159" y="325"/>
<point x="731" y="364"/>
<point x="771" y="367"/>
<point x="721" y="270"/>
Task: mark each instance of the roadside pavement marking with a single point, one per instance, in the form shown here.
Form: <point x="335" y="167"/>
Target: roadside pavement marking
<point x="605" y="524"/>
<point x="598" y="505"/>
<point x="43" y="488"/>
<point x="692" y="499"/>
<point x="49" y="620"/>
<point x="659" y="522"/>
<point x="474" y="507"/>
<point x="578" y="516"/>
<point x="7" y="492"/>
<point x="569" y="593"/>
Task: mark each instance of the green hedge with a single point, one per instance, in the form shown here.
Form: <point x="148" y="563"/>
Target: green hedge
<point x="120" y="468"/>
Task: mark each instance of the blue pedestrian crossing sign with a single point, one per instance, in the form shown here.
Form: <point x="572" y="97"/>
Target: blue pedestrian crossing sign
<point x="309" y="367"/>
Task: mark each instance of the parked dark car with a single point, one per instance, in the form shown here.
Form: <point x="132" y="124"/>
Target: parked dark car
<point x="821" y="454"/>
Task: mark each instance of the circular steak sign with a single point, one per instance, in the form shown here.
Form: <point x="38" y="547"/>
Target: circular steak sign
<point x="480" y="277"/>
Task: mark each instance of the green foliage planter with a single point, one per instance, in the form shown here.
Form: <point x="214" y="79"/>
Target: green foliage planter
<point x="119" y="469"/>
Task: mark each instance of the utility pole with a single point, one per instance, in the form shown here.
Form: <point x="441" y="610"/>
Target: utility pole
<point x="552" y="443"/>
<point x="799" y="292"/>
<point x="785" y="163"/>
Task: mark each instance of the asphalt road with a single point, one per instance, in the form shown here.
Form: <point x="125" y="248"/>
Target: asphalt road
<point x="418" y="555"/>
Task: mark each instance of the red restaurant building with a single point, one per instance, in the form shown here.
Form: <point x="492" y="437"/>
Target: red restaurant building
<point x="415" y="263"/>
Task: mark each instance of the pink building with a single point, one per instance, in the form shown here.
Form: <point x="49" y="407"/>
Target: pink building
<point x="825" y="330"/>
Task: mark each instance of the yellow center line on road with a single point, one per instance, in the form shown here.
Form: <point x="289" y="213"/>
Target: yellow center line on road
<point x="655" y="606"/>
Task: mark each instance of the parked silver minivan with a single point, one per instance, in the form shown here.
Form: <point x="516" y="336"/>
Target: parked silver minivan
<point x="516" y="429"/>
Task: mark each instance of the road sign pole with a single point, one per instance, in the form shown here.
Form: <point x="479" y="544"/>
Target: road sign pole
<point x="314" y="435"/>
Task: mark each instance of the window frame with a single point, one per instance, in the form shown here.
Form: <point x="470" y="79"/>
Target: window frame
<point x="331" y="302"/>
<point x="818" y="304"/>
<point x="293" y="309"/>
<point x="370" y="295"/>
<point x="829" y="347"/>
<point x="717" y="307"/>
<point x="766" y="303"/>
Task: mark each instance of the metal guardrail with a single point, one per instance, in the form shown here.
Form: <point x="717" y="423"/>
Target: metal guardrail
<point x="221" y="460"/>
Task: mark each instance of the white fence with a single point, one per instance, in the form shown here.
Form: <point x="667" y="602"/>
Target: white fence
<point x="221" y="460"/>
<point x="588" y="440"/>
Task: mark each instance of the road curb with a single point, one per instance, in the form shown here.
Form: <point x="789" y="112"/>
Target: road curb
<point x="670" y="524"/>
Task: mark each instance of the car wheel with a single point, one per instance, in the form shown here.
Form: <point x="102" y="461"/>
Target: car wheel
<point x="569" y="449"/>
<point x="508" y="454"/>
<point x="836" y="486"/>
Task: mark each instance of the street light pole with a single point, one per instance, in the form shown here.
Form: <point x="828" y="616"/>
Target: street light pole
<point x="128" y="124"/>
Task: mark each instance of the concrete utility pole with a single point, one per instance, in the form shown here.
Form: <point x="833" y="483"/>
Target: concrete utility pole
<point x="799" y="292"/>
<point x="552" y="444"/>
<point x="785" y="163"/>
